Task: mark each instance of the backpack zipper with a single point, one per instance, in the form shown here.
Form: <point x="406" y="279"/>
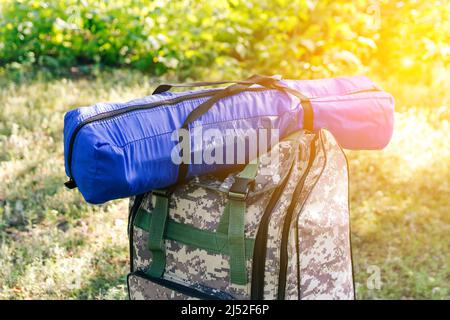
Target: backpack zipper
<point x="297" y="233"/>
<point x="189" y="291"/>
<point x="259" y="252"/>
<point x="287" y="223"/>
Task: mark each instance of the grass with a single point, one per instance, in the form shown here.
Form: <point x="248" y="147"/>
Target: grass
<point x="54" y="245"/>
<point x="400" y="212"/>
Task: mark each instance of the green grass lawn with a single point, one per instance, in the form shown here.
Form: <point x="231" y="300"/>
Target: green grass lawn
<point x="54" y="245"/>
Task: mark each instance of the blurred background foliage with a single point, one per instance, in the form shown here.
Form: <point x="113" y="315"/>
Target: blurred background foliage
<point x="189" y="38"/>
<point x="57" y="55"/>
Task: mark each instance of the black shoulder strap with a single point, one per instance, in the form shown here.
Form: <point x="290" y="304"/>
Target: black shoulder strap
<point x="240" y="86"/>
<point x="167" y="86"/>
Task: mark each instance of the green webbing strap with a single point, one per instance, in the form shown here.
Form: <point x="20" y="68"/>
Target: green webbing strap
<point x="210" y="241"/>
<point x="223" y="223"/>
<point x="238" y="268"/>
<point x="235" y="209"/>
<point x="234" y="244"/>
<point x="157" y="226"/>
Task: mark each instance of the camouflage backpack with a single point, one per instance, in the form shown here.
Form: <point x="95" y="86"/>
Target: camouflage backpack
<point x="265" y="232"/>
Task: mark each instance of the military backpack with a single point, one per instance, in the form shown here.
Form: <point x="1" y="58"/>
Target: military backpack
<point x="271" y="230"/>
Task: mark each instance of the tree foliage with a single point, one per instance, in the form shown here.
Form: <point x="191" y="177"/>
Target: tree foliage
<point x="301" y="38"/>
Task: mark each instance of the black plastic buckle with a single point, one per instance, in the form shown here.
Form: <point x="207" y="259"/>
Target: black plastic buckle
<point x="240" y="188"/>
<point x="70" y="184"/>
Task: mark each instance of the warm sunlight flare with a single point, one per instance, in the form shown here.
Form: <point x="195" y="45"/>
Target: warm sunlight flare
<point x="407" y="62"/>
<point x="57" y="56"/>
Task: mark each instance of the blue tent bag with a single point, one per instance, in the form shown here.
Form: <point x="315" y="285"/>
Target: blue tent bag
<point x="117" y="150"/>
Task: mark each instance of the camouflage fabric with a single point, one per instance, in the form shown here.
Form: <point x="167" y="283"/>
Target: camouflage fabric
<point x="274" y="236"/>
<point x="325" y="265"/>
<point x="319" y="261"/>
<point x="200" y="203"/>
<point x="189" y="266"/>
<point x="143" y="289"/>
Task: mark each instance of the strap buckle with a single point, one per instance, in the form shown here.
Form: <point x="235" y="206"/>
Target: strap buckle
<point x="70" y="184"/>
<point x="240" y="188"/>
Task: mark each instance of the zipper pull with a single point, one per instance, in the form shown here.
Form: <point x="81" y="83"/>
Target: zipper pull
<point x="71" y="184"/>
